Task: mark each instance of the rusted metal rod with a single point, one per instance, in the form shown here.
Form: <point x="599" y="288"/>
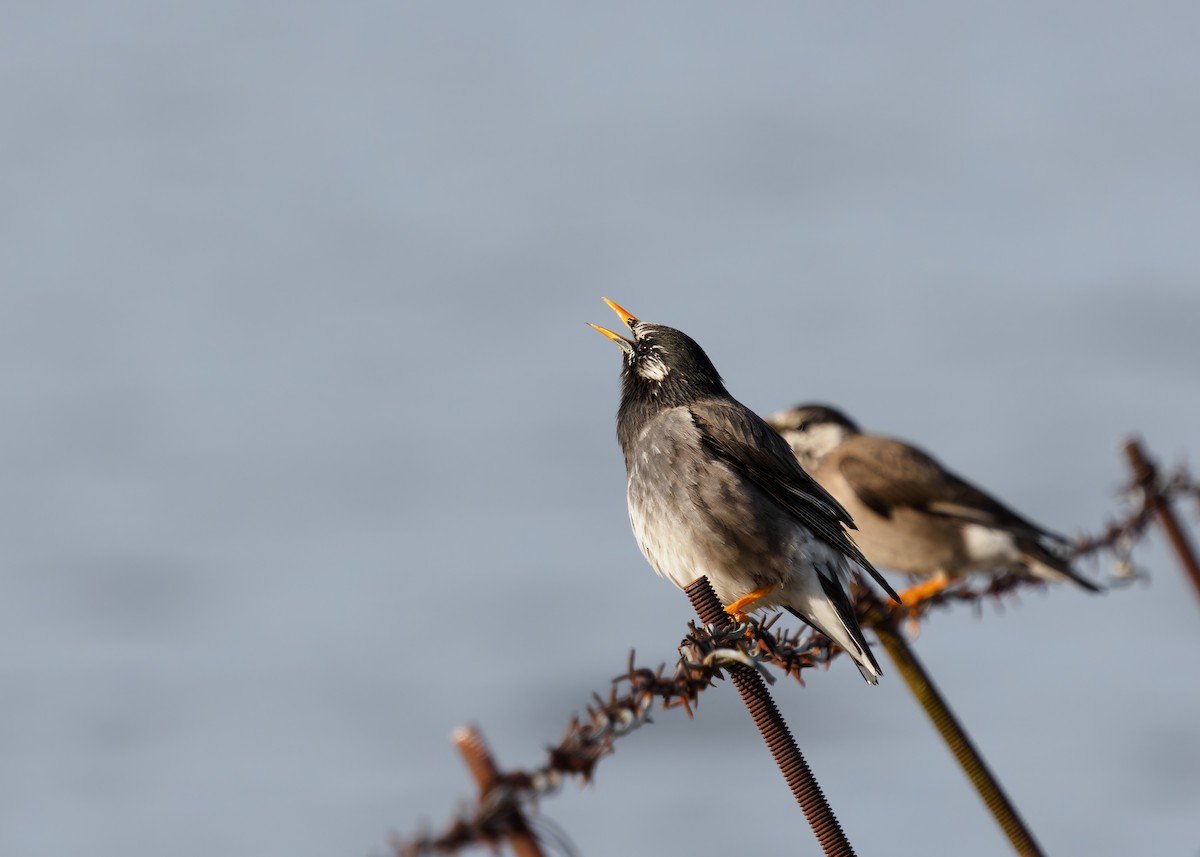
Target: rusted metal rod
<point x="775" y="731"/>
<point x="926" y="693"/>
<point x="483" y="768"/>
<point x="1146" y="475"/>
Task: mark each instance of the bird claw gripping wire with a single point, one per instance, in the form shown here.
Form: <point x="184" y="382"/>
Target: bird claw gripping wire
<point x="727" y="657"/>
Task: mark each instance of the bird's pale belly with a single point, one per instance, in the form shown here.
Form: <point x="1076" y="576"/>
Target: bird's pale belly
<point x="681" y="527"/>
<point x="925" y="545"/>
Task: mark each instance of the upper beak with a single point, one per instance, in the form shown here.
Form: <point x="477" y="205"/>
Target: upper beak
<point x="627" y="318"/>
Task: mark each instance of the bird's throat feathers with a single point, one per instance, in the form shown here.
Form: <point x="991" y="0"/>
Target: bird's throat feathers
<point x="667" y="369"/>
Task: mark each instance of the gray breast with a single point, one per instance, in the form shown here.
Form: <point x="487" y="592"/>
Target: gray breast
<point x="694" y="515"/>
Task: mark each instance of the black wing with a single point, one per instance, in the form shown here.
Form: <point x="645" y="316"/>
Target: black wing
<point x="741" y="439"/>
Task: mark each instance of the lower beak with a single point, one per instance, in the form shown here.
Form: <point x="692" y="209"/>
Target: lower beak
<point x="621" y="341"/>
<point x="627" y="319"/>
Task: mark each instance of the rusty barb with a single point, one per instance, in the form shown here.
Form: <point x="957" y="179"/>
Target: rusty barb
<point x="1149" y="491"/>
<point x="705" y="654"/>
<point x="1157" y="501"/>
<point x="708" y="651"/>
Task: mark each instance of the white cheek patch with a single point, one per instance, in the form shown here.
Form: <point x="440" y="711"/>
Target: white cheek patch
<point x="651" y="368"/>
<point x="825" y="438"/>
<point x="815" y="442"/>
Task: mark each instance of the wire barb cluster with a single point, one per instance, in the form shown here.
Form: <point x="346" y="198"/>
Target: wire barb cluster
<point x="1144" y="494"/>
<point x="704" y="653"/>
<point x="707" y="650"/>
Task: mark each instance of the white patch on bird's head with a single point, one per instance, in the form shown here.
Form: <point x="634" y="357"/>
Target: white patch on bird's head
<point x="665" y="365"/>
<point x="649" y="365"/>
<point x="813" y="442"/>
<point x="648" y="356"/>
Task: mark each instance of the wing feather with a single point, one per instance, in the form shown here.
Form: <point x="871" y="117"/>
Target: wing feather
<point x="891" y="475"/>
<point x="742" y="440"/>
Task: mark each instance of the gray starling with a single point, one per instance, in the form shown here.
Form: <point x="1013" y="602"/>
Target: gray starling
<point x="713" y="491"/>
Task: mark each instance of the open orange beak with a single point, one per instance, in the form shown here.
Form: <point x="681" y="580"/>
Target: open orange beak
<point x="627" y="318"/>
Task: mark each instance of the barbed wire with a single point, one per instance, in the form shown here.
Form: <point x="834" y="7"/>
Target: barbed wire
<point x="1143" y="496"/>
<point x="705" y="650"/>
<point x="590" y="736"/>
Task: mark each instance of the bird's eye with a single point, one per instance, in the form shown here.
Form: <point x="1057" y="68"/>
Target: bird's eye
<point x="803" y="425"/>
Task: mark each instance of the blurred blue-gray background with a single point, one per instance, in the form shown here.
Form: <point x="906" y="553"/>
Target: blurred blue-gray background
<point x="307" y="456"/>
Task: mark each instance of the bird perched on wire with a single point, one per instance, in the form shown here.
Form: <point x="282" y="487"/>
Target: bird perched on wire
<point x="714" y="492"/>
<point x="915" y="516"/>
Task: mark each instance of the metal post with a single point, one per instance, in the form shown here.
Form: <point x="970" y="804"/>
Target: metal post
<point x="926" y="693"/>
<point x="775" y="731"/>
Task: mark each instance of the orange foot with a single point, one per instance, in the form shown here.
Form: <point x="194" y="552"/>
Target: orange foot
<point x="914" y="595"/>
<point x="745" y="604"/>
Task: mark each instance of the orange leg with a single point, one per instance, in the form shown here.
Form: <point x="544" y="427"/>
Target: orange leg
<point x="745" y="604"/>
<point x="916" y="594"/>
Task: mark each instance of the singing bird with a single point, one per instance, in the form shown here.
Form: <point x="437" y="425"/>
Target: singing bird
<point x="714" y="491"/>
<point x="914" y="515"/>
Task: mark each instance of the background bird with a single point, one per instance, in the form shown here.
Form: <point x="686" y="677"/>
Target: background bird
<point x="914" y="515"/>
<point x="713" y="491"/>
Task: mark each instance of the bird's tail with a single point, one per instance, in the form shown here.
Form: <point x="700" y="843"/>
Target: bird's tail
<point x="1049" y="563"/>
<point x="833" y="616"/>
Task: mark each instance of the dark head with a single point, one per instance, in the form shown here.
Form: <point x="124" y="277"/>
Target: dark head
<point x="813" y="431"/>
<point x="663" y="368"/>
